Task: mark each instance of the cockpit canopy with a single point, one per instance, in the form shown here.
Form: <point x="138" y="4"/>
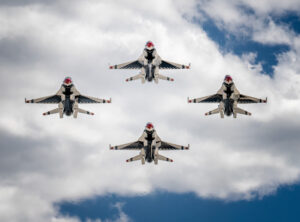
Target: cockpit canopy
<point x="68" y="81"/>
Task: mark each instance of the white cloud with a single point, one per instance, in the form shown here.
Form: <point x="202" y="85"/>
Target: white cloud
<point x="253" y="19"/>
<point x="45" y="159"/>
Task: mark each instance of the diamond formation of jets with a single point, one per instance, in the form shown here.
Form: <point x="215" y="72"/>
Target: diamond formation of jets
<point x="149" y="144"/>
<point x="149" y="63"/>
<point x="228" y="98"/>
<point x="67" y="98"/>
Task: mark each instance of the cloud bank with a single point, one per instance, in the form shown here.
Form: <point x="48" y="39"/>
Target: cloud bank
<point x="45" y="159"/>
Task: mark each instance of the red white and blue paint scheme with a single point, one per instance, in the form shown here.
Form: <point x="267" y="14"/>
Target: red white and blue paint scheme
<point x="67" y="98"/>
<point x="228" y="98"/>
<point x="149" y="63"/>
<point x="149" y="144"/>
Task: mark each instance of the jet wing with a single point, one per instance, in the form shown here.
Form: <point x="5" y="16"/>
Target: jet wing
<point x="216" y="98"/>
<point x="46" y="99"/>
<point x="90" y="99"/>
<point x="128" y="65"/>
<point x="171" y="65"/>
<point x="249" y="99"/>
<point x="137" y="145"/>
<point x="171" y="146"/>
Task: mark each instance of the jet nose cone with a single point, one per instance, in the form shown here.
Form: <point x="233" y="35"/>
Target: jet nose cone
<point x="228" y="78"/>
<point x="67" y="81"/>
<point x="149" y="45"/>
<point x="149" y="126"/>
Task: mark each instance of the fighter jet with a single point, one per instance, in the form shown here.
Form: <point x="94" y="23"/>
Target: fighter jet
<point x="149" y="144"/>
<point x="228" y="98"/>
<point x="149" y="63"/>
<point x="67" y="99"/>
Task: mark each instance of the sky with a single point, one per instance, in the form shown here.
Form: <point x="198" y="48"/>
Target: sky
<point x="61" y="170"/>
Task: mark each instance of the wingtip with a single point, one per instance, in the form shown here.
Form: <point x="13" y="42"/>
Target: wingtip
<point x="111" y="67"/>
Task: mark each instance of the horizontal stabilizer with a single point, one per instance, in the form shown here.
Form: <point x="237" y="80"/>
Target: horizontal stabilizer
<point x="240" y="111"/>
<point x="215" y="111"/>
<point x="161" y="157"/>
<point x="138" y="157"/>
<point x="53" y="111"/>
<point x="162" y="77"/>
<point x="85" y="111"/>
<point x="139" y="76"/>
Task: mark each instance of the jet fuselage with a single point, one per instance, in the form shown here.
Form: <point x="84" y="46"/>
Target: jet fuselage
<point x="149" y="71"/>
<point x="68" y="103"/>
<point x="149" y="152"/>
<point x="149" y="68"/>
<point x="227" y="99"/>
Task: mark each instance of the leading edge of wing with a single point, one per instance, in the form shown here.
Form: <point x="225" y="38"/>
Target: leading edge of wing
<point x="46" y="99"/>
<point x="90" y="99"/>
<point x="249" y="99"/>
<point x="172" y="65"/>
<point x="171" y="146"/>
<point x="207" y="99"/>
<point x="137" y="145"/>
<point x="128" y="65"/>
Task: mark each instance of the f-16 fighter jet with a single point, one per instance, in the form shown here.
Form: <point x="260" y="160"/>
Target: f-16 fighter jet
<point x="149" y="63"/>
<point x="149" y="144"/>
<point x="228" y="98"/>
<point x="67" y="99"/>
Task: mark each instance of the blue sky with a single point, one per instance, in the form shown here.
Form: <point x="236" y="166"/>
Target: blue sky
<point x="239" y="43"/>
<point x="161" y="206"/>
<point x="61" y="170"/>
